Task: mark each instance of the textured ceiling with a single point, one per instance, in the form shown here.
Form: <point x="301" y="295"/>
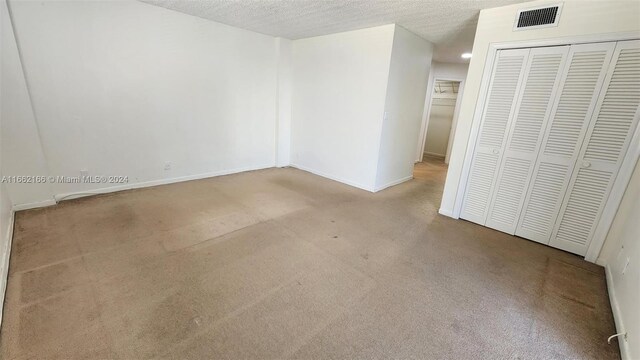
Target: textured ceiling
<point x="449" y="24"/>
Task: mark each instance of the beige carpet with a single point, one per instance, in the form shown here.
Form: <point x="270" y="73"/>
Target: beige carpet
<point x="281" y="264"/>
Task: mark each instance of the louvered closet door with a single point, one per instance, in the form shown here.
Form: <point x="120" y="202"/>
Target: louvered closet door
<point x="579" y="88"/>
<point x="540" y="84"/>
<point x="504" y="87"/>
<point x="610" y="131"/>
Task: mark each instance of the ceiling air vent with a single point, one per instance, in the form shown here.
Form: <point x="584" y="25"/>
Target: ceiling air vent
<point x="538" y="17"/>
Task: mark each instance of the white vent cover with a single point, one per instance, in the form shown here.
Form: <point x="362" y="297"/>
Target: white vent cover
<point x="534" y="18"/>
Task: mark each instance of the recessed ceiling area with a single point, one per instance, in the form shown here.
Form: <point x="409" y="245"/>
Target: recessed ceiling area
<point x="449" y="24"/>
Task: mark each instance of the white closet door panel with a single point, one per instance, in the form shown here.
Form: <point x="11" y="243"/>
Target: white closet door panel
<point x="610" y="130"/>
<point x="532" y="112"/>
<point x="538" y="214"/>
<point x="580" y="86"/>
<point x="580" y="210"/>
<point x="497" y="114"/>
<point x="479" y="187"/>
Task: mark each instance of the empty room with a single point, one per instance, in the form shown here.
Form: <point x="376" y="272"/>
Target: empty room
<point x="319" y="179"/>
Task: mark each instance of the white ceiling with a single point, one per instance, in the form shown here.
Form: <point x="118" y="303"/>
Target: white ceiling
<point x="449" y="24"/>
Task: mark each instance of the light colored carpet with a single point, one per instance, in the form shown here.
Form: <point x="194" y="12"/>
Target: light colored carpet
<point x="280" y="264"/>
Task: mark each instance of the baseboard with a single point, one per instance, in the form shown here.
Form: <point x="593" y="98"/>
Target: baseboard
<point x="144" y="184"/>
<point x="34" y="205"/>
<point x="446" y="212"/>
<point x="393" y="183"/>
<point x="331" y="177"/>
<point x="617" y="316"/>
<point x="4" y="263"/>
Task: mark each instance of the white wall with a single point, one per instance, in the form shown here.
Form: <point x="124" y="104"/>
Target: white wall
<point x="128" y="89"/>
<point x="339" y="90"/>
<point x="20" y="139"/>
<point x="6" y="214"/>
<point x="406" y="90"/>
<point x="121" y="88"/>
<point x="448" y="71"/>
<point x="441" y="71"/>
<point x="284" y="93"/>
<point x="622" y="247"/>
<point x="578" y="18"/>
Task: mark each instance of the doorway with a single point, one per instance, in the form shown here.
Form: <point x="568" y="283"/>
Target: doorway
<point x="440" y="120"/>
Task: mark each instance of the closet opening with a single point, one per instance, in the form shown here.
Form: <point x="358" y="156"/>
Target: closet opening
<point x="434" y="146"/>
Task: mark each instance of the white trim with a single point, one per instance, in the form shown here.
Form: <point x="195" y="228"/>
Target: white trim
<point x="615" y="196"/>
<point x="331" y="177"/>
<point x="567" y="40"/>
<point x="392" y="183"/>
<point x="445" y="212"/>
<point x="144" y="184"/>
<point x="554" y="24"/>
<point x="34" y="205"/>
<point x="4" y="270"/>
<point x="617" y="314"/>
<point x="427" y="113"/>
<point x="79" y="194"/>
<point x="480" y="102"/>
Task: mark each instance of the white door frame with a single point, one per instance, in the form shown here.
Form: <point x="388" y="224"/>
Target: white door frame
<point x="630" y="158"/>
<point x="427" y="115"/>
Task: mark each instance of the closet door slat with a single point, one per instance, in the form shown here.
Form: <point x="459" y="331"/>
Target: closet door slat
<point x="579" y="88"/>
<point x="614" y="121"/>
<point x="497" y="114"/>
<point x="540" y="84"/>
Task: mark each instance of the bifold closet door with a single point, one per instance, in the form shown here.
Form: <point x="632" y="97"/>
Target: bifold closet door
<point x="504" y="86"/>
<point x="614" y="121"/>
<point x="580" y="86"/>
<point x="533" y="107"/>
